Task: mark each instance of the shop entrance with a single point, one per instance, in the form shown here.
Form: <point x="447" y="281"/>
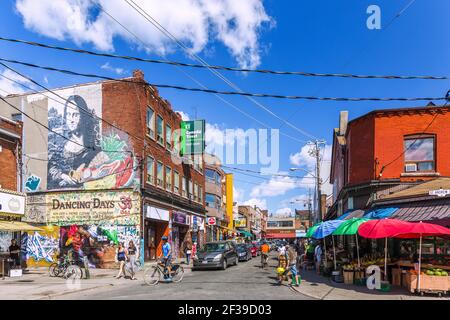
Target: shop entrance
<point x="154" y="231"/>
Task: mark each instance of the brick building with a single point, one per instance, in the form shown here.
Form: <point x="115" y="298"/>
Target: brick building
<point x="112" y="153"/>
<point x="385" y="151"/>
<point x="10" y="154"/>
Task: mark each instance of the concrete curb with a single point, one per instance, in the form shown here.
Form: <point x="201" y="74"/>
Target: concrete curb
<point x="50" y="296"/>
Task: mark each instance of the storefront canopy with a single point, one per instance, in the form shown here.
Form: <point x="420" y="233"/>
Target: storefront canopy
<point x="245" y="233"/>
<point x="14" y="226"/>
<point x="380" y="213"/>
<point x="281" y="235"/>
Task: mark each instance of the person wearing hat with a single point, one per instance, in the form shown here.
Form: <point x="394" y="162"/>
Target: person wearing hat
<point x="167" y="256"/>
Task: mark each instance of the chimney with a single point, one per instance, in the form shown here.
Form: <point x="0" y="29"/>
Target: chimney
<point x="343" y="121"/>
<point x="138" y="74"/>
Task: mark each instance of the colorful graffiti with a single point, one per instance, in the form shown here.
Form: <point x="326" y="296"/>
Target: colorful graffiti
<point x="97" y="243"/>
<point x="32" y="184"/>
<point x="81" y="156"/>
<point x="5" y="241"/>
<point x="41" y="248"/>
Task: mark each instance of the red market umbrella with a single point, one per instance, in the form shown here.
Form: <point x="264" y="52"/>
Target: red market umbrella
<point x="383" y="228"/>
<point x="420" y="230"/>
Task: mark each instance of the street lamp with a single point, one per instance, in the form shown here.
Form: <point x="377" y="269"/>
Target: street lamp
<point x="309" y="172"/>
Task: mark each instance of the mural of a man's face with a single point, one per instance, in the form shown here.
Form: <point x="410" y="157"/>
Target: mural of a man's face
<point x="72" y="118"/>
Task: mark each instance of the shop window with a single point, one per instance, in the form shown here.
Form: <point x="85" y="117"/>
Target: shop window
<point x="419" y="153"/>
<point x="168" y="179"/>
<point x="183" y="187"/>
<point x="168" y="137"/>
<point x="150" y="122"/>
<point x="160" y="131"/>
<point x="176" y="182"/>
<point x="160" y="175"/>
<point x="150" y="170"/>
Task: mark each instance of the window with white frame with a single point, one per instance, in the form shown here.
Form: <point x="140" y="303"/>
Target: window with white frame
<point x="151" y="122"/>
<point x="168" y="137"/>
<point x="200" y="194"/>
<point x="191" y="187"/>
<point x="183" y="187"/>
<point x="160" y="175"/>
<point x="150" y="170"/>
<point x="160" y="130"/>
<point x="168" y="179"/>
<point x="419" y="153"/>
<point x="195" y="192"/>
<point x="176" y="182"/>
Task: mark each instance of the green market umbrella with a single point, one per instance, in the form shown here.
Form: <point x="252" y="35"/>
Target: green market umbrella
<point x="350" y="227"/>
<point x="312" y="230"/>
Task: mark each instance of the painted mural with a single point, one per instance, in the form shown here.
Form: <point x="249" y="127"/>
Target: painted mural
<point x="41" y="248"/>
<point x="5" y="241"/>
<point x="81" y="155"/>
<point x="97" y="242"/>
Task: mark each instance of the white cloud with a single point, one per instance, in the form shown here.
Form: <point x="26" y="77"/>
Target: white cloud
<point x="108" y="67"/>
<point x="303" y="160"/>
<point x="236" y="24"/>
<point x="274" y="187"/>
<point x="284" y="212"/>
<point x="260" y="203"/>
<point x="9" y="87"/>
<point x="184" y="115"/>
<point x="238" y="194"/>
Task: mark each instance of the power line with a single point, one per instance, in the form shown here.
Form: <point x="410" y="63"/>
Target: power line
<point x="216" y="67"/>
<point x="260" y="95"/>
<point x="260" y="173"/>
<point x="163" y="30"/>
<point x="100" y="7"/>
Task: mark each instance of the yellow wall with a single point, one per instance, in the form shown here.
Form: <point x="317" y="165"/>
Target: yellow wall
<point x="45" y="244"/>
<point x="229" y="198"/>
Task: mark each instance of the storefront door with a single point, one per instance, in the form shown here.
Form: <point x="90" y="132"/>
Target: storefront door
<point x="152" y="244"/>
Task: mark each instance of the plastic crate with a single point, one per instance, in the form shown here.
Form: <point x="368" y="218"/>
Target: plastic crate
<point x="360" y="281"/>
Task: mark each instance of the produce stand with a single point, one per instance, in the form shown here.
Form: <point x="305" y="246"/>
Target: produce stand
<point x="428" y="284"/>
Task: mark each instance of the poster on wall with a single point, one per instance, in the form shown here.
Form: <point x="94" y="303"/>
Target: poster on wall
<point x="82" y="155"/>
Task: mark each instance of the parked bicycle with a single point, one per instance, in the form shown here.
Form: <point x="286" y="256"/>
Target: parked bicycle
<point x="154" y="274"/>
<point x="65" y="268"/>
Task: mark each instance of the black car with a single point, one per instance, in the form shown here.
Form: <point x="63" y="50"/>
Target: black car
<point x="217" y="254"/>
<point x="244" y="252"/>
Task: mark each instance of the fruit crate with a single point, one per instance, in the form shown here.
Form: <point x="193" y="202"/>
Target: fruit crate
<point x="348" y="276"/>
<point x="430" y="284"/>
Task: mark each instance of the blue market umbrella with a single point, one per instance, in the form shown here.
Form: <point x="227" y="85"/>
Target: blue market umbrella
<point x="325" y="229"/>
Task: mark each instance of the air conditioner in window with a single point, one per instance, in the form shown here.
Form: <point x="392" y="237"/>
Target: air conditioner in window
<point x="410" y="167"/>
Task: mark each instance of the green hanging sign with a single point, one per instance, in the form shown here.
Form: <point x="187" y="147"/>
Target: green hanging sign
<point x="192" y="137"/>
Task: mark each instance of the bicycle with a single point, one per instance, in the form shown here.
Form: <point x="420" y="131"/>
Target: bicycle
<point x="65" y="268"/>
<point x="153" y="275"/>
<point x="264" y="258"/>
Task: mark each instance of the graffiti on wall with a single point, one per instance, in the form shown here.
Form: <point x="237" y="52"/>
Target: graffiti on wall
<point x="80" y="155"/>
<point x="41" y="248"/>
<point x="35" y="210"/>
<point x="32" y="183"/>
<point x="98" y="243"/>
<point x="5" y="241"/>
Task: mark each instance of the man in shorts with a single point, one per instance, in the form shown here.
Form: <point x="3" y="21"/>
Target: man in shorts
<point x="292" y="259"/>
<point x="167" y="256"/>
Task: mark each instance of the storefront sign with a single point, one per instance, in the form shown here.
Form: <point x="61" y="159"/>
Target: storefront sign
<point x="156" y="213"/>
<point x="12" y="203"/>
<point x="242" y="222"/>
<point x="197" y="223"/>
<point x="439" y="193"/>
<point x="180" y="217"/>
<point x="192" y="137"/>
<point x="65" y="208"/>
<point x="211" y="221"/>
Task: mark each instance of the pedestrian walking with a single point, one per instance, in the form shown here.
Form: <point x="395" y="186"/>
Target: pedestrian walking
<point x="132" y="258"/>
<point x="122" y="258"/>
<point x="292" y="262"/>
<point x="318" y="256"/>
<point x="282" y="267"/>
<point x="187" y="249"/>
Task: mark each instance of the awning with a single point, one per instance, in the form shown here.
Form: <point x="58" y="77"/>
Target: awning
<point x="245" y="233"/>
<point x="342" y="217"/>
<point x="280" y="235"/>
<point x="431" y="211"/>
<point x="13" y="226"/>
<point x="354" y="214"/>
<point x="380" y="213"/>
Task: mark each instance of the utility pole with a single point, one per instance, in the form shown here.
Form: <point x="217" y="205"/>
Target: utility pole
<point x="315" y="152"/>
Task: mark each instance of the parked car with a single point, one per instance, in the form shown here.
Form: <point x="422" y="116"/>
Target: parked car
<point x="244" y="252"/>
<point x="217" y="254"/>
<point x="258" y="247"/>
<point x="253" y="249"/>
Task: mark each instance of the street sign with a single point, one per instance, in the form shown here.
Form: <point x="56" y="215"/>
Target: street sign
<point x="192" y="137"/>
<point x="440" y="193"/>
<point x="211" y="221"/>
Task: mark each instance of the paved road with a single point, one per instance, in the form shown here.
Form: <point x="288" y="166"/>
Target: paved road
<point x="244" y="281"/>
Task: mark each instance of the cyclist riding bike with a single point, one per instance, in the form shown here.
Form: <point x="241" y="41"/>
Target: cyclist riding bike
<point x="167" y="257"/>
<point x="264" y="253"/>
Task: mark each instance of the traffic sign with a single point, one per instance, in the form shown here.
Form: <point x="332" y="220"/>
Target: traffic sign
<point x="211" y="221"/>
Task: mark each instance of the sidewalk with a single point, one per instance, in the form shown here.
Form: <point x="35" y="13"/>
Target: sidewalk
<point x="323" y="288"/>
<point x="37" y="284"/>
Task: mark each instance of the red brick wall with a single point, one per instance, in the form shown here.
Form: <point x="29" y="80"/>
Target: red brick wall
<point x="360" y="146"/>
<point x="125" y="105"/>
<point x="391" y="129"/>
<point x="8" y="157"/>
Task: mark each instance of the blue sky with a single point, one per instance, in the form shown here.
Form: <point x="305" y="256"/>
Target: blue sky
<point x="313" y="36"/>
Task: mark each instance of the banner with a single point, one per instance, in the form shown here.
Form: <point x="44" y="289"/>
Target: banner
<point x="192" y="137"/>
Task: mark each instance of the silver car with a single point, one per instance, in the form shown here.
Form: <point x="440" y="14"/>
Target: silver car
<point x="217" y="254"/>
